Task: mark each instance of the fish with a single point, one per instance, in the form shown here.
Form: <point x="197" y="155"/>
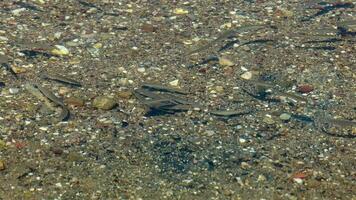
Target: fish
<point x="61" y="79"/>
<point x="41" y="92"/>
<point x="227" y="34"/>
<point x="229" y="113"/>
<point x="162" y="88"/>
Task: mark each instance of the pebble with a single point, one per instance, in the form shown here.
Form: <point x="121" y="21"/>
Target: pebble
<point x="225" y="62"/>
<point x="2" y="84"/>
<point x="2" y="165"/>
<point x="124" y="94"/>
<point x="305" y="88"/>
<point x="245" y="165"/>
<point x="285" y="116"/>
<point x="60" y="50"/>
<point x="261" y="178"/>
<point x="174" y="83"/>
<point x="219" y="89"/>
<point x="19" y="70"/>
<point x="2" y="145"/>
<point x="74" y="101"/>
<point x="14" y="90"/>
<point x="298" y="180"/>
<point x="104" y="103"/>
<point x="141" y="69"/>
<point x="246" y="75"/>
<point x="148" y="28"/>
<point x="63" y="91"/>
<point x="268" y="120"/>
<point x="242" y="141"/>
<point x="2" y="38"/>
<point x="180" y="11"/>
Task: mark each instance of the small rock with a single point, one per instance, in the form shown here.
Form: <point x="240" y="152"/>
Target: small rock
<point x="219" y="89"/>
<point x="74" y="101"/>
<point x="180" y="11"/>
<point x="63" y="91"/>
<point x="174" y="83"/>
<point x="19" y="70"/>
<point x="245" y="165"/>
<point x="209" y="133"/>
<point x="141" y="69"/>
<point x="298" y="180"/>
<point x="268" y="120"/>
<point x="2" y="38"/>
<point x="305" y="88"/>
<point x="261" y="178"/>
<point x="225" y="62"/>
<point x="124" y="94"/>
<point x="60" y="50"/>
<point x="104" y="103"/>
<point x="2" y="165"/>
<point x="98" y="45"/>
<point x="2" y="145"/>
<point x="246" y="75"/>
<point x="18" y="11"/>
<point x="2" y="84"/>
<point x="242" y="140"/>
<point x="285" y="116"/>
<point x="14" y="90"/>
<point x="148" y="28"/>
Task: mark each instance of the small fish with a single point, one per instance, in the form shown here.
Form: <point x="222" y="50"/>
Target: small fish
<point x="28" y="6"/>
<point x="45" y="92"/>
<point x="229" y="113"/>
<point x="326" y="9"/>
<point x="162" y="88"/>
<point x="61" y="79"/>
<point x="227" y="34"/>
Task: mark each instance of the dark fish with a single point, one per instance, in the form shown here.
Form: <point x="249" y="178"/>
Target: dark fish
<point x="61" y="79"/>
<point x="229" y="113"/>
<point x="65" y="112"/>
<point x="326" y="9"/>
<point x="227" y="34"/>
<point x="162" y="88"/>
<point x="28" y="6"/>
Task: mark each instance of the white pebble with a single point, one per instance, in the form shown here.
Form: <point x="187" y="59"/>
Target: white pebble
<point x="246" y="75"/>
<point x="174" y="83"/>
<point x="13" y="90"/>
<point x="141" y="69"/>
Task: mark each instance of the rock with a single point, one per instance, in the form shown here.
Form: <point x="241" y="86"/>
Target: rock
<point x="19" y="70"/>
<point x="141" y="69"/>
<point x="60" y="50"/>
<point x="63" y="91"/>
<point x="246" y="75"/>
<point x="285" y="116"/>
<point x="148" y="28"/>
<point x="104" y="103"/>
<point x="2" y="145"/>
<point x="245" y="165"/>
<point x="174" y="83"/>
<point x="219" y="89"/>
<point x="180" y="11"/>
<point x="124" y="94"/>
<point x="225" y="62"/>
<point x="268" y="120"/>
<point x="261" y="178"/>
<point x="298" y="180"/>
<point x="2" y="165"/>
<point x="14" y="90"/>
<point x="74" y="101"/>
<point x="305" y="88"/>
